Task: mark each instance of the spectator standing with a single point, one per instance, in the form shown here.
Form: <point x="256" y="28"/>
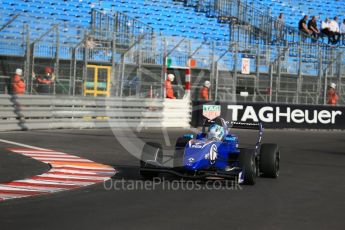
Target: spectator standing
<point x="17" y="82"/>
<point x="342" y="32"/>
<point x="279" y="24"/>
<point x="303" y="28"/>
<point x="332" y="96"/>
<point x="90" y="43"/>
<point x="312" y="26"/>
<point x="334" y="28"/>
<point x="168" y="87"/>
<point x="326" y="29"/>
<point x="46" y="81"/>
<point x="204" y="94"/>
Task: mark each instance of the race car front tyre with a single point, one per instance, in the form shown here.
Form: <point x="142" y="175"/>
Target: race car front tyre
<point x="180" y="145"/>
<point x="248" y="165"/>
<point x="269" y="160"/>
<point x="152" y="152"/>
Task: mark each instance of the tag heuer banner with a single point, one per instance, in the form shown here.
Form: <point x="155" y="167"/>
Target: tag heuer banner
<point x="272" y="115"/>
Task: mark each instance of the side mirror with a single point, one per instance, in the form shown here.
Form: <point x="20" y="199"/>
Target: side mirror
<point x="191" y="136"/>
<point x="230" y="138"/>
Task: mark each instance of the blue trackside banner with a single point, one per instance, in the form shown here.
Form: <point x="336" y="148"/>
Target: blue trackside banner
<point x="276" y="115"/>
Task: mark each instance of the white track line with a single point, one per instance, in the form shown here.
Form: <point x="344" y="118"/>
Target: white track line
<point x="48" y="159"/>
<point x="109" y="169"/>
<point x="50" y="155"/>
<point x="77" y="172"/>
<point x="61" y="176"/>
<point x="42" y="182"/>
<point x="22" y="145"/>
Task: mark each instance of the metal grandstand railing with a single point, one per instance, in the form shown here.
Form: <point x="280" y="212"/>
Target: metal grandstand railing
<point x="35" y="45"/>
<point x="292" y="72"/>
<point x="252" y="20"/>
<point x="127" y="30"/>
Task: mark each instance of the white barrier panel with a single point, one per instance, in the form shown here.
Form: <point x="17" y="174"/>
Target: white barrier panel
<point x="176" y="112"/>
<point x="52" y="112"/>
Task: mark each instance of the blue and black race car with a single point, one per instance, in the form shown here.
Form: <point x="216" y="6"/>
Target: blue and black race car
<point x="215" y="154"/>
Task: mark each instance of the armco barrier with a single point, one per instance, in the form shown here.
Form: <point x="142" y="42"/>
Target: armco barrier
<point x="48" y="112"/>
<point x="277" y="115"/>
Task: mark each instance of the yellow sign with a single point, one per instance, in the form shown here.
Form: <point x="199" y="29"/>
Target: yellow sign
<point x="97" y="81"/>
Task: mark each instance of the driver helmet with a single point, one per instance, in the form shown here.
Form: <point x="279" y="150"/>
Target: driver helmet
<point x="216" y="132"/>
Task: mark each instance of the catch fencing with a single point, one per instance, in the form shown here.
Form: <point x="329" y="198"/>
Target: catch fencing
<point x="137" y="56"/>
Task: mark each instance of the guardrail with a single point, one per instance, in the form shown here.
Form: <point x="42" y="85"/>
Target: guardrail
<point x="53" y="112"/>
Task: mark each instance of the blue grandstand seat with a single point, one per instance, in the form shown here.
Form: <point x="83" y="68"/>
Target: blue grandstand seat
<point x="167" y="16"/>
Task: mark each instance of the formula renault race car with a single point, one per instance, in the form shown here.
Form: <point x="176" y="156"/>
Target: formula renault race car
<point x="214" y="154"/>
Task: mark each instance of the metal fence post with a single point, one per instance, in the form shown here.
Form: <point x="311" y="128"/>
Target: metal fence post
<point x="93" y="20"/>
<point x="74" y="71"/>
<point x="32" y="57"/>
<point x="57" y="58"/>
<point x="325" y="86"/>
<point x="85" y="63"/>
<point x="271" y="81"/>
<point x="339" y="58"/>
<point x="235" y="69"/>
<point x="216" y="71"/>
<point x="341" y="73"/>
<point x="319" y="74"/>
<point x="113" y="62"/>
<point x="123" y="68"/>
<point x="139" y="68"/>
<point x="27" y="58"/>
<point x="257" y="74"/>
<point x="299" y="79"/>
<point x="278" y="74"/>
<point x="164" y="69"/>
<point x="212" y="73"/>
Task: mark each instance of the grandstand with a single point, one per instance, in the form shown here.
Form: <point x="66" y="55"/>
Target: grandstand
<point x="135" y="34"/>
<point x="194" y="25"/>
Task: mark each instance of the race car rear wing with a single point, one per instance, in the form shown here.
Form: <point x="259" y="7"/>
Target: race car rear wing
<point x="249" y="125"/>
<point x="237" y="124"/>
<point x="245" y="125"/>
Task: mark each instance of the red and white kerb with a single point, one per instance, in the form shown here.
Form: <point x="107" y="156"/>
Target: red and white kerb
<point x="67" y="172"/>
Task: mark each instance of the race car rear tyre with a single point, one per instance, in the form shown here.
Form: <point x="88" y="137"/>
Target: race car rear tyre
<point x="248" y="165"/>
<point x="151" y="152"/>
<point x="269" y="160"/>
<point x="180" y="145"/>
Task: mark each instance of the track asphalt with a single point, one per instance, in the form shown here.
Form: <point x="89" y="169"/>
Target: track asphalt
<point x="310" y="193"/>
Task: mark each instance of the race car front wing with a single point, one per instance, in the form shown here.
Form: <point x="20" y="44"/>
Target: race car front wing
<point x="234" y="174"/>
